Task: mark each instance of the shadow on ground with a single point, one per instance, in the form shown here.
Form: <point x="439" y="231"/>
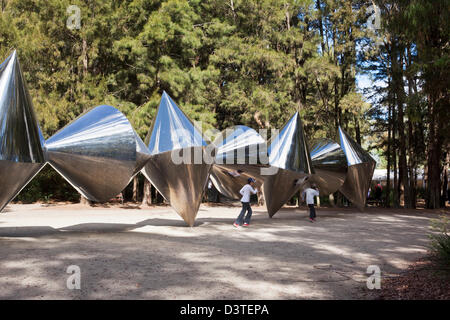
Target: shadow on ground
<point x="281" y="258"/>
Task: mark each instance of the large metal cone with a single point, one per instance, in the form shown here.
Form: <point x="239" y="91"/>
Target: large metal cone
<point x="330" y="166"/>
<point x="288" y="150"/>
<point x="360" y="171"/>
<point x="281" y="187"/>
<point x="172" y="129"/>
<point x="357" y="184"/>
<point x="182" y="185"/>
<point x="96" y="153"/>
<point x="142" y="154"/>
<point x="177" y="166"/>
<point x="289" y="154"/>
<point x="230" y="181"/>
<point x="21" y="152"/>
<point x="354" y="153"/>
<point x="241" y="153"/>
<point x="14" y="176"/>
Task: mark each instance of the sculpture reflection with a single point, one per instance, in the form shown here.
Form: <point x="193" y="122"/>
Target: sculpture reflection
<point x="177" y="166"/>
<point x="21" y="149"/>
<point x="360" y="170"/>
<point x="98" y="153"/>
<point x="330" y="166"/>
<point x="241" y="153"/>
<point x="289" y="155"/>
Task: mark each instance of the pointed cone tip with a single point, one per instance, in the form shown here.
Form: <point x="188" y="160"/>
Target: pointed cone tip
<point x="13" y="55"/>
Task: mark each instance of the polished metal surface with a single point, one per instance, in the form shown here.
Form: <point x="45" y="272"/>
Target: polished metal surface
<point x="360" y="170"/>
<point x="142" y="154"/>
<point x="288" y="150"/>
<point x="241" y="153"/>
<point x="280" y="188"/>
<point x="98" y="153"/>
<point x="21" y="151"/>
<point x="357" y="184"/>
<point x="330" y="166"/>
<point x="289" y="154"/>
<point x="172" y="129"/>
<point x="14" y="176"/>
<point x="229" y="182"/>
<point x="181" y="183"/>
<point x="240" y="145"/>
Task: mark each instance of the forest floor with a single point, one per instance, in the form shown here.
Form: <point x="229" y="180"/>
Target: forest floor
<point x="132" y="252"/>
<point x="425" y="279"/>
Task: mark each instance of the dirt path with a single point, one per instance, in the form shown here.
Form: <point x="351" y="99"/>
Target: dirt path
<point x="127" y="253"/>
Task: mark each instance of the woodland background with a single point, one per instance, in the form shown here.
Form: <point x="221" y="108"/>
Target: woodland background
<point x="251" y="62"/>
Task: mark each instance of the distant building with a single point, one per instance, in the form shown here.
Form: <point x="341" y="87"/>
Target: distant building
<point x="380" y="175"/>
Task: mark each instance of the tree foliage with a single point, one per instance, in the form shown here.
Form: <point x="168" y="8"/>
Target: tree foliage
<point x="252" y="62"/>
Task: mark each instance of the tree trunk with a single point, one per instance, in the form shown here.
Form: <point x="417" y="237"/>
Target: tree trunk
<point x="332" y="202"/>
<point x="395" y="196"/>
<point x="358" y="131"/>
<point x="445" y="179"/>
<point x="398" y="84"/>
<point x="84" y="201"/>
<point x="261" y="199"/>
<point x="135" y="188"/>
<point x="147" y="198"/>
<point x="388" y="173"/>
<point x="434" y="154"/>
<point x="85" y="68"/>
<point x="322" y="43"/>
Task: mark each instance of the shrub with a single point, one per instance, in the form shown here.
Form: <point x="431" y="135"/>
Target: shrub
<point x="440" y="241"/>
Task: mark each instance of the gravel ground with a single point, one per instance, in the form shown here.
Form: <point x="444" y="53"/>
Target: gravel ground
<point x="127" y="252"/>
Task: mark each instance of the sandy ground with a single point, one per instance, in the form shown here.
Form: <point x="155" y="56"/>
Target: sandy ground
<point x="137" y="253"/>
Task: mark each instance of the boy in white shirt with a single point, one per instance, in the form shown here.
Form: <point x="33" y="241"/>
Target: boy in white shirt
<point x="246" y="191"/>
<point x="310" y="194"/>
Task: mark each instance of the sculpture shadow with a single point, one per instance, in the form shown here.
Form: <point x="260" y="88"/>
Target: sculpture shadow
<point x="282" y="258"/>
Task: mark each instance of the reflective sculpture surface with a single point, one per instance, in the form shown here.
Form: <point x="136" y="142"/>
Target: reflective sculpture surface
<point x="98" y="153"/>
<point x="241" y="153"/>
<point x="21" y="141"/>
<point x="177" y="166"/>
<point x="289" y="155"/>
<point x="330" y="166"/>
<point x="142" y="154"/>
<point x="360" y="170"/>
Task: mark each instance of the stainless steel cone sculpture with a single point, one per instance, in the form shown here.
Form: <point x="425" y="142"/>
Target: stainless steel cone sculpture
<point x="360" y="170"/>
<point x="142" y="154"/>
<point x="241" y="153"/>
<point x="289" y="155"/>
<point x="330" y="166"/>
<point x="21" y="150"/>
<point x="177" y="166"/>
<point x="98" y="153"/>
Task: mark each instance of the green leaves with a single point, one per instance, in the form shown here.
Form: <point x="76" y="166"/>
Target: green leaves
<point x="248" y="62"/>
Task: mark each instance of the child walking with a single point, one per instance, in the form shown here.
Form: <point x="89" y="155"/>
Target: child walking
<point x="246" y="191"/>
<point x="310" y="194"/>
